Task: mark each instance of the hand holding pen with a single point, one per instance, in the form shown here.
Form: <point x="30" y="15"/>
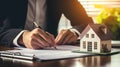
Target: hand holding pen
<point x="37" y="39"/>
<point x="51" y="36"/>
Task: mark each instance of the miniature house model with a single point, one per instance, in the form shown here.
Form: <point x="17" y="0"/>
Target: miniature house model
<point x="95" y="38"/>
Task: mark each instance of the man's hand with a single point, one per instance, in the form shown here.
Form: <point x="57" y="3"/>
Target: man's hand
<point x="37" y="39"/>
<point x="66" y="37"/>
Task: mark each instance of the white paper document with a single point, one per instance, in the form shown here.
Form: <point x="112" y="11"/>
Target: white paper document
<point x="62" y="52"/>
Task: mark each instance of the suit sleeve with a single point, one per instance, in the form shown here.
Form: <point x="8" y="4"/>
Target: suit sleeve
<point x="7" y="32"/>
<point x="75" y="12"/>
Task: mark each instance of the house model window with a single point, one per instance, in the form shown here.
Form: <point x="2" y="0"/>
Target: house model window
<point x="95" y="38"/>
<point x="95" y="45"/>
<point x="92" y="35"/>
<point x="84" y="45"/>
<point x="87" y="35"/>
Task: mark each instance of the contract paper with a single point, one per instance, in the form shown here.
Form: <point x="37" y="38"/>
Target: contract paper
<point x="62" y="52"/>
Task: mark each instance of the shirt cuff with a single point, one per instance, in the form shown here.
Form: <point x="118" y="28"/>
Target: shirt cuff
<point x="15" y="41"/>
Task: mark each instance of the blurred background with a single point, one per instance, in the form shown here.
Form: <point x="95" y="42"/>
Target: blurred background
<point x="101" y="11"/>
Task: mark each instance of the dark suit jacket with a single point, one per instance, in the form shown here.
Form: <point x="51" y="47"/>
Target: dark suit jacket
<point x="13" y="15"/>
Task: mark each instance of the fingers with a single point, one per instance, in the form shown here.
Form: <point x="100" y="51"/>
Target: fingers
<point x="69" y="39"/>
<point x="52" y="39"/>
<point x="66" y="37"/>
<point x="37" y="38"/>
<point x="46" y="37"/>
<point x="72" y="40"/>
<point x="36" y="45"/>
<point x="59" y="39"/>
<point x="40" y="41"/>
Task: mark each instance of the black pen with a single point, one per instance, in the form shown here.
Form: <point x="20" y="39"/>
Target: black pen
<point x="17" y="55"/>
<point x="41" y="28"/>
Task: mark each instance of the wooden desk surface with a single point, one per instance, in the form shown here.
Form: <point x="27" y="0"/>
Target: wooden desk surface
<point x="91" y="61"/>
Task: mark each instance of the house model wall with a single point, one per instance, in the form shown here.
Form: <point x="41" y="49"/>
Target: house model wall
<point x="95" y="38"/>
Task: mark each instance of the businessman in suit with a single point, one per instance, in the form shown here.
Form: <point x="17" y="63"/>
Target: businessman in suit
<point x="19" y="19"/>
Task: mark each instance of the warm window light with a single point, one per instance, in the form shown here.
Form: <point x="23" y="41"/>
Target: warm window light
<point x="94" y="7"/>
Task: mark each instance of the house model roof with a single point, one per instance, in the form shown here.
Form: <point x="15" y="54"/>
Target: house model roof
<point x="101" y="30"/>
